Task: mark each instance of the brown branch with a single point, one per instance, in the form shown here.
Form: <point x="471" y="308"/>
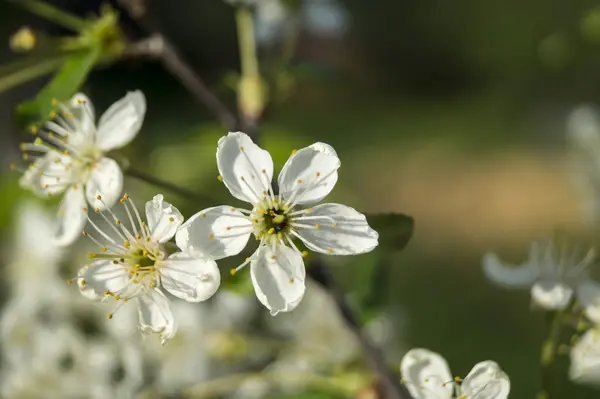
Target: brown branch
<point x="389" y="383"/>
<point x="159" y="47"/>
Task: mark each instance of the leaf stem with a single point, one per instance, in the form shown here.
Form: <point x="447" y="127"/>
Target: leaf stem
<point x="53" y="14"/>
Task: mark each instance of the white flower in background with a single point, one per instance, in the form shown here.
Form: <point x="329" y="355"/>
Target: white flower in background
<point x="585" y="359"/>
<point x="68" y="157"/>
<point x="553" y="274"/>
<point x="64" y="365"/>
<point x="583" y="139"/>
<point x="37" y="293"/>
<point x="316" y="343"/>
<point x="427" y="376"/>
<point x="136" y="264"/>
<point x="276" y="267"/>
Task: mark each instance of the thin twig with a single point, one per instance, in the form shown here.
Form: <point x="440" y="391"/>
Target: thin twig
<point x="138" y="174"/>
<point x="158" y="46"/>
<point x="390" y="384"/>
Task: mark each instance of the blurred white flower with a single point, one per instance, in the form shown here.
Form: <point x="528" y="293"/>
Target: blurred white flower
<point x="326" y="17"/>
<point x="64" y="365"/>
<point x="427" y="376"/>
<point x="37" y="293"/>
<point x="553" y="274"/>
<point x="68" y="157"/>
<point x="585" y="359"/>
<point x="276" y="267"/>
<point x="317" y="343"/>
<point x="139" y="265"/>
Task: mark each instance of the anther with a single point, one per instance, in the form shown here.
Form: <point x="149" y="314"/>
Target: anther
<point x="110" y="316"/>
<point x="126" y="196"/>
<point x="318" y="174"/>
<point x="232" y="271"/>
<point x="242" y="147"/>
<point x="126" y="244"/>
<point x="264" y="171"/>
<point x="83" y="283"/>
<point x="304" y="254"/>
<point x="329" y="250"/>
<point x="171" y="220"/>
<point x="104" y="249"/>
<point x="69" y="282"/>
<point x="117" y="221"/>
<point x="97" y="210"/>
<point x="317" y="226"/>
<point x="211" y="236"/>
<point x="271" y="230"/>
<point x="99" y="197"/>
<point x="294" y="152"/>
<point x="84" y="209"/>
<point x="228" y="228"/>
<point x="220" y="178"/>
<point x="273" y="257"/>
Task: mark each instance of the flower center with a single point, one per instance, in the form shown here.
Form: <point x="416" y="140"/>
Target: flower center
<point x="270" y="219"/>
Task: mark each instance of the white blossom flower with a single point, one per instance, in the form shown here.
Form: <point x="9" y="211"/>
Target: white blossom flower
<point x="553" y="275"/>
<point x="68" y="156"/>
<point x="276" y="267"/>
<point x="585" y="359"/>
<point x="139" y="265"/>
<point x="427" y="376"/>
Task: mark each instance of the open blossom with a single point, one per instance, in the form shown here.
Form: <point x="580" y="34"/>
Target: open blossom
<point x="427" y="376"/>
<point x="585" y="359"/>
<point x="553" y="275"/>
<point x="68" y="157"/>
<point x="276" y="267"/>
<point x="137" y="263"/>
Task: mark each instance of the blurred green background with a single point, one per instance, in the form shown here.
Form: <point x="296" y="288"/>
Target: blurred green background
<point x="451" y="112"/>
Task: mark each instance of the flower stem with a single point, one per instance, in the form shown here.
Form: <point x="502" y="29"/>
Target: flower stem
<point x="548" y="354"/>
<point x="53" y="14"/>
<point x="251" y="101"/>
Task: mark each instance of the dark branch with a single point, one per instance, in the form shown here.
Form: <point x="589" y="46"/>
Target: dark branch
<point x="159" y="47"/>
<point x="389" y="383"/>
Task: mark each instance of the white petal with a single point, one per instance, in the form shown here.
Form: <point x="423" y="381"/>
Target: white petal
<point x="192" y="279"/>
<point x="585" y="359"/>
<point x="508" y="275"/>
<point x="426" y="375"/>
<point x="121" y="122"/>
<point x="48" y="175"/>
<point x="105" y="180"/>
<point x="155" y="315"/>
<point x="71" y="216"/>
<point x="278" y="278"/>
<point x="101" y="276"/>
<point x="312" y="172"/>
<point x="588" y="294"/>
<point x="163" y="219"/>
<point x="341" y="230"/>
<point x="239" y="158"/>
<point x="551" y="295"/>
<point x="486" y="381"/>
<point x="206" y="234"/>
<point x="83" y="111"/>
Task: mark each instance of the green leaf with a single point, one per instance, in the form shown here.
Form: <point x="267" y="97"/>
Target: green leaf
<point x="395" y="230"/>
<point x="65" y="84"/>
